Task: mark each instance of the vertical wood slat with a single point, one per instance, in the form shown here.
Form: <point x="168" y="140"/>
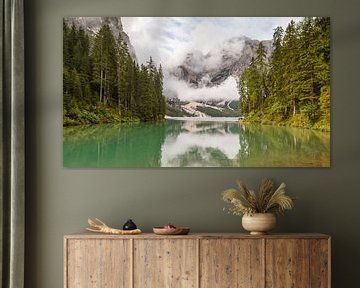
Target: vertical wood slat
<point x="198" y="263"/>
<point x="131" y="262"/>
<point x="319" y="263"/>
<point x="165" y="263"/>
<point x="98" y="263"/>
<point x="287" y="263"/>
<point x="263" y="245"/>
<point x="231" y="263"/>
<point x="329" y="263"/>
<point x="65" y="263"/>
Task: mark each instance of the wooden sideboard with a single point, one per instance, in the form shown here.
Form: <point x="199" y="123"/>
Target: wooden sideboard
<point x="197" y="260"/>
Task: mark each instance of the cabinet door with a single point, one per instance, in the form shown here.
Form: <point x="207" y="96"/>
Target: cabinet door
<point x="287" y="263"/>
<point x="320" y="263"/>
<point x="231" y="263"/>
<point x="165" y="263"/>
<point x="98" y="263"/>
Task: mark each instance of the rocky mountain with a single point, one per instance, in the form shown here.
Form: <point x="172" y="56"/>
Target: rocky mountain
<point x="209" y="71"/>
<point x="92" y="25"/>
<point x="177" y="108"/>
<point x="228" y="59"/>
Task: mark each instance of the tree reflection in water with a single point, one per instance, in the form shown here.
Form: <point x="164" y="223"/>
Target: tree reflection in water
<point x="194" y="144"/>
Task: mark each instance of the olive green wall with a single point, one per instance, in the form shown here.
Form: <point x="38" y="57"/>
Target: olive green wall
<point x="60" y="200"/>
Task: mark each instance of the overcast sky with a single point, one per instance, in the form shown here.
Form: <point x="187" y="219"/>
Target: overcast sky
<point x="166" y="39"/>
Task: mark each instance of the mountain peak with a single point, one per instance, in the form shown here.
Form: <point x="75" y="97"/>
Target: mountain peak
<point x="92" y="25"/>
<point x="226" y="59"/>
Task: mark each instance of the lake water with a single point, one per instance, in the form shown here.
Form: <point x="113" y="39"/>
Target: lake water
<point x="194" y="143"/>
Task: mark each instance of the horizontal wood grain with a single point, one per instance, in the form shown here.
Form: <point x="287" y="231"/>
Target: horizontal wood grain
<point x="198" y="236"/>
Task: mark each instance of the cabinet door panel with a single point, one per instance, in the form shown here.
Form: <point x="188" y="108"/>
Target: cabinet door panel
<point x="165" y="263"/>
<point x="287" y="263"/>
<point x="231" y="263"/>
<point x="319" y="263"/>
<point x="98" y="264"/>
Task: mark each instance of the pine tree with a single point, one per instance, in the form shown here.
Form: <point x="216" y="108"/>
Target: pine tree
<point x="244" y="105"/>
<point x="76" y="89"/>
<point x="290" y="56"/>
<point x="66" y="46"/>
<point x="151" y="97"/>
<point x="261" y="67"/>
<point x="145" y="109"/>
<point x="123" y="55"/>
<point x="105" y="63"/>
<point x="67" y="89"/>
<point x="276" y="101"/>
<point x="136" y="89"/>
<point x="161" y="97"/>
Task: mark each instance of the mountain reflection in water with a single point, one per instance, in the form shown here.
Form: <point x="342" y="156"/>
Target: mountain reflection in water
<point x="194" y="143"/>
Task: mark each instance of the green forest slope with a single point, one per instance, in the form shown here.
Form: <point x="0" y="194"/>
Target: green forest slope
<point x="293" y="87"/>
<point x="103" y="84"/>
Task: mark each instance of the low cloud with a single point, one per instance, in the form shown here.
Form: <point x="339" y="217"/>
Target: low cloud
<point x="197" y="61"/>
<point x="169" y="39"/>
<point x="181" y="89"/>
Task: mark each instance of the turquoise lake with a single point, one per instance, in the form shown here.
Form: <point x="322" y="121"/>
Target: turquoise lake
<point x="194" y="143"/>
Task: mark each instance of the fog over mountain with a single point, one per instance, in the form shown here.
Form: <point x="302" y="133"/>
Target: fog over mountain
<point x="202" y="57"/>
<point x="214" y="75"/>
<point x="230" y="57"/>
<point x="185" y="91"/>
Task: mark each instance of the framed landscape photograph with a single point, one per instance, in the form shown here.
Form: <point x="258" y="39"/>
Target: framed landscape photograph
<point x="196" y="92"/>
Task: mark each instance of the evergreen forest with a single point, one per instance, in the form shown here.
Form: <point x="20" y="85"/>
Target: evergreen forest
<point x="292" y="86"/>
<point x="103" y="84"/>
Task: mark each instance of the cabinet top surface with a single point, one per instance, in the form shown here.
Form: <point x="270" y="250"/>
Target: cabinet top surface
<point x="86" y="235"/>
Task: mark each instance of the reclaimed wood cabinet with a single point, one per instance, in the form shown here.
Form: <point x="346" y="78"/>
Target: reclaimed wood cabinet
<point x="197" y="261"/>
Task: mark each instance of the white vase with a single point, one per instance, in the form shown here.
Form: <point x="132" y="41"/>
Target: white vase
<point x="259" y="223"/>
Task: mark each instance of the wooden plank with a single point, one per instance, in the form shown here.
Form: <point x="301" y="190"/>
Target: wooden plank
<point x="199" y="236"/>
<point x="287" y="263"/>
<point x="231" y="263"/>
<point x="329" y="262"/>
<point x="98" y="263"/>
<point x="263" y="252"/>
<point x="131" y="262"/>
<point x="319" y="263"/>
<point x="65" y="263"/>
<point x="165" y="263"/>
<point x="198" y="263"/>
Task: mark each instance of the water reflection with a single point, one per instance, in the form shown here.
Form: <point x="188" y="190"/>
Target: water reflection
<point x="283" y="147"/>
<point x="201" y="144"/>
<point x="232" y="145"/>
<point x="133" y="145"/>
<point x="194" y="144"/>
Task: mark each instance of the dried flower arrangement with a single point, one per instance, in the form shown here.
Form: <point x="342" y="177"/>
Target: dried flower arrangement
<point x="246" y="202"/>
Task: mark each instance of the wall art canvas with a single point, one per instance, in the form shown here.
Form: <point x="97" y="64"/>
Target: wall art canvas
<point x="196" y="92"/>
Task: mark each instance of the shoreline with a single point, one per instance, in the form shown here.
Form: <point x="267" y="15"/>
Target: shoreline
<point x="202" y="119"/>
<point x="205" y="119"/>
